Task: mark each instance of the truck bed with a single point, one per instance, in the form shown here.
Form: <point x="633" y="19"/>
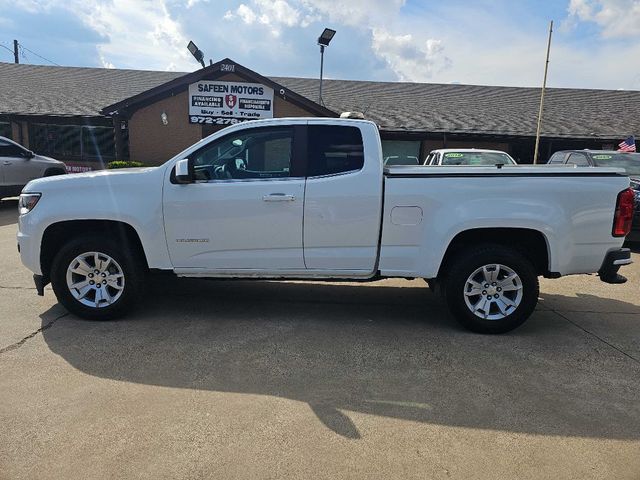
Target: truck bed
<point x="425" y="208"/>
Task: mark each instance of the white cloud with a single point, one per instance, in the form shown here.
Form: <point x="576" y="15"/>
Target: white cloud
<point x="410" y="60"/>
<point x="273" y="14"/>
<point x="356" y="13"/>
<point x="246" y="14"/>
<point x="193" y="3"/>
<point x="409" y="57"/>
<point x="135" y="30"/>
<point x="105" y="63"/>
<point x="616" y="18"/>
<point x="137" y="34"/>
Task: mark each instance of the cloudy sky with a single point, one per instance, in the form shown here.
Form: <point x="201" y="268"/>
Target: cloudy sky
<point x="491" y="42"/>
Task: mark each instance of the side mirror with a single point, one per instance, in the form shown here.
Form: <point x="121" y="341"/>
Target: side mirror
<point x="29" y="154"/>
<point x="183" y="171"/>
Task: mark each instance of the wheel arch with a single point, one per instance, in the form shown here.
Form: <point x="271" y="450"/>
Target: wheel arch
<point x="57" y="234"/>
<point x="533" y="244"/>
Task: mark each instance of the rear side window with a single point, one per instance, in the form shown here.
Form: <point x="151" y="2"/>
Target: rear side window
<point x="578" y="159"/>
<point x="334" y="149"/>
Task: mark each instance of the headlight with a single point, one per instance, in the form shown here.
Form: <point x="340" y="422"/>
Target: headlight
<point x="27" y="202"/>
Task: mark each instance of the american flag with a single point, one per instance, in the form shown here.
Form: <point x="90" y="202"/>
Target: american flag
<point x="629" y="145"/>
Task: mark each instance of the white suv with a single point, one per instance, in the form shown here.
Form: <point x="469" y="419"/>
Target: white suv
<point x="18" y="166"/>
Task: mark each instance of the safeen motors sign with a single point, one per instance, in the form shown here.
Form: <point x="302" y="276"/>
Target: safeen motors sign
<point x="225" y="103"/>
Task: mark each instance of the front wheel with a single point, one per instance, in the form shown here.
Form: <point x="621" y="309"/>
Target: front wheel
<point x="491" y="289"/>
<point x="96" y="279"/>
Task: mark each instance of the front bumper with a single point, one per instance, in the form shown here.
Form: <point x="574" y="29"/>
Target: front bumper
<point x="612" y="262"/>
<point x="29" y="239"/>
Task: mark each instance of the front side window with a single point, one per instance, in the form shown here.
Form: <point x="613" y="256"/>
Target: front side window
<point x="334" y="149"/>
<point x="257" y="153"/>
<point x="11" y="150"/>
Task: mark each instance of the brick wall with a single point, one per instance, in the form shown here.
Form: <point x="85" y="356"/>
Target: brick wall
<point x="152" y="142"/>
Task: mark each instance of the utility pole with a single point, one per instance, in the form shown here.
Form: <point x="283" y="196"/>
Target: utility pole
<point x="544" y="86"/>
<point x="16" y="57"/>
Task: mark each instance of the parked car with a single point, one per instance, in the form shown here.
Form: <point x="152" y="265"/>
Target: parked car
<point x="629" y="162"/>
<point x="468" y="157"/>
<point x="310" y="199"/>
<point x="18" y="166"/>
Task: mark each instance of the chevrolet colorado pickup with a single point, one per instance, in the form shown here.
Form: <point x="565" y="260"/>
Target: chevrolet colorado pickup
<point x="310" y="199"/>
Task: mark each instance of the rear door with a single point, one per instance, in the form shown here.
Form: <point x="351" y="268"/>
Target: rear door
<point x="343" y="197"/>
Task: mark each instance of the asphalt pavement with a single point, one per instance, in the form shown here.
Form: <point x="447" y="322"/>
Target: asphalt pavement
<point x="238" y="379"/>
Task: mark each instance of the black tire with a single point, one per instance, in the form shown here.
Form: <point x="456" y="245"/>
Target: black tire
<point x="132" y="270"/>
<point x="465" y="264"/>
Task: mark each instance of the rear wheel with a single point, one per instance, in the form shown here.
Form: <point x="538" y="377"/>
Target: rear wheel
<point x="96" y="279"/>
<point x="491" y="289"/>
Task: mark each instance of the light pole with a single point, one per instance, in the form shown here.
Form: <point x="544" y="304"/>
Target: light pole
<point x="323" y="41"/>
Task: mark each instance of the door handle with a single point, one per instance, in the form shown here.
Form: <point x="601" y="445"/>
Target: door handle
<point x="6" y="162"/>
<point x="278" y="197"/>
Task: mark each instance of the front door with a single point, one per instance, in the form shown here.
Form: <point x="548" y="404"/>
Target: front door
<point x="244" y="212"/>
<point x="17" y="167"/>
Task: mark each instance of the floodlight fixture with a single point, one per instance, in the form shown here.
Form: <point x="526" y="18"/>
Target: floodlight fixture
<point x="196" y="52"/>
<point x="323" y="41"/>
<point x="326" y="37"/>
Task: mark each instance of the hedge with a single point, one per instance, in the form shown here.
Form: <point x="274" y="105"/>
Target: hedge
<point x="124" y="164"/>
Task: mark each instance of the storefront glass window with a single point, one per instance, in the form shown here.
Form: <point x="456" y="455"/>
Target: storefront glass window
<point x="401" y="152"/>
<point x="5" y="129"/>
<point x="73" y="142"/>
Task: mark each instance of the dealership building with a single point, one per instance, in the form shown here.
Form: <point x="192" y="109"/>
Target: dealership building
<point x="88" y="117"/>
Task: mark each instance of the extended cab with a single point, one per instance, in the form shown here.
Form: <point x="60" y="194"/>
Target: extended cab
<point x="310" y="199"/>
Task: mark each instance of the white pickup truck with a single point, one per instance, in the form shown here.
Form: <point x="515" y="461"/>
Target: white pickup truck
<point x="310" y="199"/>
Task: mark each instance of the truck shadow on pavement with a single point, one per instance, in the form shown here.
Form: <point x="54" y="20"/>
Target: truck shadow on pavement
<point x="381" y="350"/>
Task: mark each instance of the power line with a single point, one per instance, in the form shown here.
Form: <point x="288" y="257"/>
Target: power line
<point x="39" y="56"/>
<point x="6" y="48"/>
<point x="23" y="48"/>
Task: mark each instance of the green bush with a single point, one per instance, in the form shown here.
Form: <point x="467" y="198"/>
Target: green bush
<point x="124" y="164"/>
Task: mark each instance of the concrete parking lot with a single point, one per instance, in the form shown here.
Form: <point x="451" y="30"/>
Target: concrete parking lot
<point x="230" y="379"/>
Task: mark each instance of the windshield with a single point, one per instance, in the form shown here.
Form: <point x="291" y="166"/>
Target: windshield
<point x="629" y="161"/>
<point x="476" y="158"/>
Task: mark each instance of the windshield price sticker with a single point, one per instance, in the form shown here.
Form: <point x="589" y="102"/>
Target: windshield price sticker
<point x="231" y="100"/>
<point x="454" y="155"/>
<point x="602" y="157"/>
